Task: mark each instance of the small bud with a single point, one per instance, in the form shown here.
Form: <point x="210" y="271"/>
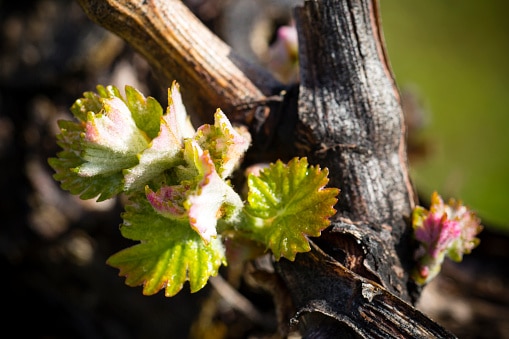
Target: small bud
<point x="445" y="230"/>
<point x="284" y="54"/>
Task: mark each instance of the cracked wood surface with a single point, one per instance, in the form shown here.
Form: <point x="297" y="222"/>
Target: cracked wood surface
<point x="350" y="120"/>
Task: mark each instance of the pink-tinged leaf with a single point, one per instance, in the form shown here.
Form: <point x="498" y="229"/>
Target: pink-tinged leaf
<point x="225" y="144"/>
<point x="445" y="230"/>
<point x="111" y="140"/>
<point x="204" y="206"/>
<point x="169" y="200"/>
<point x="69" y="159"/>
<point x="115" y="128"/>
<point x="470" y="226"/>
<point x="164" y="152"/>
<point x="212" y="199"/>
<point x="92" y="159"/>
<point x="284" y="54"/>
<point x="169" y="253"/>
<point x="437" y="233"/>
<point x="177" y="117"/>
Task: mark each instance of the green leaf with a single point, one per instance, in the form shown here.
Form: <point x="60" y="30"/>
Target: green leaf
<point x="111" y="140"/>
<point x="96" y="149"/>
<point x="288" y="203"/>
<point x="170" y="252"/>
<point x="164" y="151"/>
<point x="179" y="120"/>
<point x="225" y="144"/>
<point x="105" y="186"/>
<point x="213" y="197"/>
<point x="145" y="112"/>
<point x="91" y="102"/>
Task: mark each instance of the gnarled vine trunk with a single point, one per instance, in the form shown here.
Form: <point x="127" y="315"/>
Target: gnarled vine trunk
<point x="346" y="117"/>
<point x="350" y="120"/>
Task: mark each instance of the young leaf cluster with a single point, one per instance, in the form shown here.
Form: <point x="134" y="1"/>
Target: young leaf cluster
<point x="181" y="206"/>
<point x="445" y="230"/>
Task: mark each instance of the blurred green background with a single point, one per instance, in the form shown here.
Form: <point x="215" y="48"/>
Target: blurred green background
<point x="454" y="55"/>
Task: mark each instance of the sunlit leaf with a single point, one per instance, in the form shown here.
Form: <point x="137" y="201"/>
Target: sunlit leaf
<point x="212" y="198"/>
<point x="224" y="143"/>
<point x="446" y="230"/>
<point x="288" y="203"/>
<point x="165" y="150"/>
<point x="146" y="112"/>
<point x="99" y="146"/>
<point x="67" y="162"/>
<point x="169" y="253"/>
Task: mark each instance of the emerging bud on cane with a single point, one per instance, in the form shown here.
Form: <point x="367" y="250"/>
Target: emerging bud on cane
<point x="284" y="54"/>
<point x="445" y="230"/>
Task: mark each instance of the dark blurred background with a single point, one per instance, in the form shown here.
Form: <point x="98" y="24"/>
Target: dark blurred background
<point x="450" y="61"/>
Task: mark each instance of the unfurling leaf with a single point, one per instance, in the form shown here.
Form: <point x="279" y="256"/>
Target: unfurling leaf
<point x="288" y="203"/>
<point x="97" y="147"/>
<point x="111" y="140"/>
<point x="445" y="230"/>
<point x="224" y="143"/>
<point x="212" y="199"/>
<point x="69" y="159"/>
<point x="119" y="144"/>
<point x="203" y="198"/>
<point x="104" y="141"/>
<point x="165" y="150"/>
<point x="181" y="204"/>
<point x="170" y="252"/>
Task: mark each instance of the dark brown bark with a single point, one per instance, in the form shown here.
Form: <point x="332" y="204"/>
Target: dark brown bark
<point x="350" y="121"/>
<point x="347" y="117"/>
<point x="334" y="302"/>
